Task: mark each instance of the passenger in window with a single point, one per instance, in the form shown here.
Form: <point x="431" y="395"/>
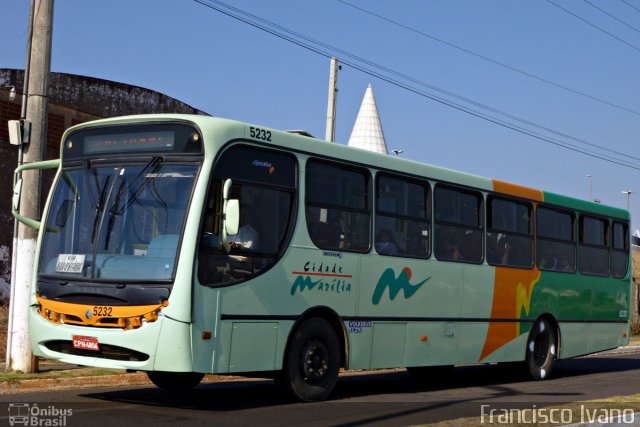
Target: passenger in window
<point x="385" y="244"/>
<point x="563" y="263"/>
<point x="453" y="249"/>
<point x="247" y="237"/>
<point x="504" y="251"/>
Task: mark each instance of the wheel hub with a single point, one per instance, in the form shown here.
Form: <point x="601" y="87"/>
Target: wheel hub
<point x="315" y="360"/>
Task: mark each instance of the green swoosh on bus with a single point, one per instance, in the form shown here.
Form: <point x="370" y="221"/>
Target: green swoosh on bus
<point x="303" y="283"/>
<point x="395" y="285"/>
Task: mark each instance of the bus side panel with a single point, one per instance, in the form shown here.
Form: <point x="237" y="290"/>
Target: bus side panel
<point x="476" y="303"/>
<point x="431" y="343"/>
<point x="513" y="351"/>
<point x="206" y="332"/>
<point x="422" y="293"/>
<point x="574" y="339"/>
<point x="173" y="353"/>
<point x="611" y="308"/>
<point x="388" y="344"/>
<point x="259" y="313"/>
<point x="606" y="335"/>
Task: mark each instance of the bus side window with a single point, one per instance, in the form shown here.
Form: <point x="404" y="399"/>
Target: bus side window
<point x="593" y="251"/>
<point x="211" y="227"/>
<point x="555" y="239"/>
<point x="620" y="249"/>
<point x="403" y="216"/>
<point x="458" y="225"/>
<point x="266" y="194"/>
<point x="509" y="233"/>
<point x="337" y="206"/>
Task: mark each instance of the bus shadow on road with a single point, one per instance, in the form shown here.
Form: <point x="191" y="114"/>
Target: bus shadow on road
<point x="471" y="383"/>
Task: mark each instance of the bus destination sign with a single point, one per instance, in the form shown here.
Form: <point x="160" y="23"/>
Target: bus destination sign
<point x="130" y="142"/>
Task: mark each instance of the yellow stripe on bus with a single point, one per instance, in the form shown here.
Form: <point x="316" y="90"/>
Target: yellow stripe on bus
<point x="109" y="316"/>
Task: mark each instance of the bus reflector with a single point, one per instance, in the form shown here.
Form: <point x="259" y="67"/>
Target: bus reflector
<point x="206" y="335"/>
<point x="424" y="338"/>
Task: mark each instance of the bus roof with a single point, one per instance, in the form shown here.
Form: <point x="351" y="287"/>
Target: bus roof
<point x="226" y="130"/>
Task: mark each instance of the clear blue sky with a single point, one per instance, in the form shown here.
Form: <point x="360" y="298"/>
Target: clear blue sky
<point x="233" y="70"/>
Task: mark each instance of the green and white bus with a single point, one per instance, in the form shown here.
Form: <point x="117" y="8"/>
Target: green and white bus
<point x="186" y="245"/>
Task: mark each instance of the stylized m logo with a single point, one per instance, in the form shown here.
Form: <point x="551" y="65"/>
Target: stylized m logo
<point x="301" y="283"/>
<point x="395" y="285"/>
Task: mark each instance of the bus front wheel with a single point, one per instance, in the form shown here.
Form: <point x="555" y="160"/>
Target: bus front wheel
<point x="541" y="350"/>
<point x="175" y="381"/>
<point x="312" y="363"/>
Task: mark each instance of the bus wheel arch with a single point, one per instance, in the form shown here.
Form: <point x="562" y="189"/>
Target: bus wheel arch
<point x="336" y="323"/>
<point x="314" y="354"/>
<point x="542" y="349"/>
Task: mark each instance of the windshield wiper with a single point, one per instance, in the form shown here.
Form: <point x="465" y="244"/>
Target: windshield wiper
<point x="116" y="210"/>
<point x="113" y="214"/>
<point x="91" y="185"/>
<point x="98" y="207"/>
<point x="133" y="190"/>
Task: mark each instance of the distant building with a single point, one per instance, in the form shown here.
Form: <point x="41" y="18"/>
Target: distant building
<point x="367" y="131"/>
<point x="72" y="99"/>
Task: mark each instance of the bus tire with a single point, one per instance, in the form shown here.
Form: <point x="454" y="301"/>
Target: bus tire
<point x="311" y="367"/>
<point x="175" y="381"/>
<point x="541" y="350"/>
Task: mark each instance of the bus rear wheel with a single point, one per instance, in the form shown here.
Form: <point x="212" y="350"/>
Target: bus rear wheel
<point x="312" y="363"/>
<point x="541" y="350"/>
<point x="175" y="381"/>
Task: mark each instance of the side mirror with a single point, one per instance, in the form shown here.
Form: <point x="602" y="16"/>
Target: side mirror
<point x="230" y="216"/>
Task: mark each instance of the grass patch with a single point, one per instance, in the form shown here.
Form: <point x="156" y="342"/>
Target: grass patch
<point x="15" y="376"/>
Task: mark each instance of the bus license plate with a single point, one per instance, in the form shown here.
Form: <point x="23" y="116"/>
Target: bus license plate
<point x="85" y="343"/>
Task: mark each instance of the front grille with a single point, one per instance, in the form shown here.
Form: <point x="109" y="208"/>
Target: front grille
<point x="106" y="351"/>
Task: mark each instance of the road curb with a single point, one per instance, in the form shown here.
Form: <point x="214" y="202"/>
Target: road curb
<point x="628" y="349"/>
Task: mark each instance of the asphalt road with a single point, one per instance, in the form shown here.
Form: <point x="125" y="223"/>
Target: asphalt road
<point x="384" y="399"/>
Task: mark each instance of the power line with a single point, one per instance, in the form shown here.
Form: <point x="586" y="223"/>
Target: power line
<point x="270" y="27"/>
<point x="612" y="16"/>
<point x="595" y="26"/>
<point x="491" y="60"/>
<point x="630" y="5"/>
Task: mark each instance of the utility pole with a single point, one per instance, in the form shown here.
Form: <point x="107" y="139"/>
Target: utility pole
<point x="628" y="193"/>
<point x="14" y="252"/>
<point x="330" y="134"/>
<point x="37" y="98"/>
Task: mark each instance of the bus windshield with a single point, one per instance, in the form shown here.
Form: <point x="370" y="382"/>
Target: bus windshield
<point x="117" y="222"/>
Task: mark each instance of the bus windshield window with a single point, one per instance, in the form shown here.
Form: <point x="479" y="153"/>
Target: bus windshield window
<point x="117" y="222"/>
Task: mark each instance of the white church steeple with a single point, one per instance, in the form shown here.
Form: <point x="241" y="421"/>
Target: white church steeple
<point x="367" y="131"/>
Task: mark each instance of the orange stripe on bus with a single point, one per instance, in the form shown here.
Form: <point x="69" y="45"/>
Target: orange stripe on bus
<point x="511" y="300"/>
<point x="518" y="190"/>
<point x="304" y="273"/>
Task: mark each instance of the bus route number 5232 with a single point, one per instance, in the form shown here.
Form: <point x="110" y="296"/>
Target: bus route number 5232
<point x="258" y="133"/>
